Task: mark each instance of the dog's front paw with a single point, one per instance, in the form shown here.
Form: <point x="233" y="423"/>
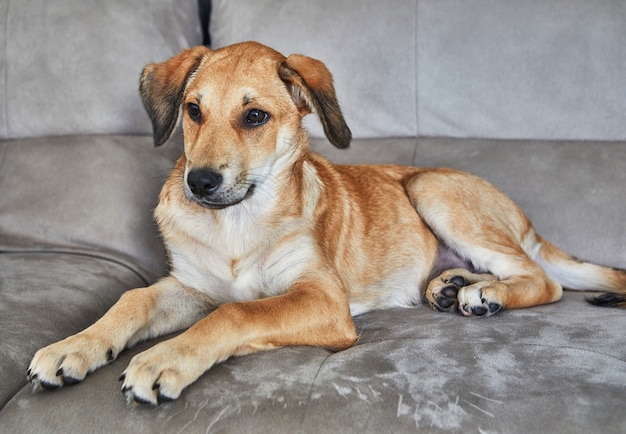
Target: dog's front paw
<point x="160" y="373"/>
<point x="68" y="361"/>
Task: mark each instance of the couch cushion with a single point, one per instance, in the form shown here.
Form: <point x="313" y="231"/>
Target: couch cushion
<point x="45" y="297"/>
<point x="413" y="370"/>
<point x="90" y="194"/>
<point x="477" y="68"/>
<point x="4" y="7"/>
<point x="72" y="66"/>
<point x="373" y="67"/>
<point x="522" y="70"/>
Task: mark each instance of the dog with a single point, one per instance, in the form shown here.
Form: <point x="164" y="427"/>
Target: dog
<point x="271" y="244"/>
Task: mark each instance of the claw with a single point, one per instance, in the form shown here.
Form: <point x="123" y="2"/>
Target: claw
<point x="69" y="381"/>
<point x="48" y="386"/>
<point x="163" y="398"/>
<point x="140" y="400"/>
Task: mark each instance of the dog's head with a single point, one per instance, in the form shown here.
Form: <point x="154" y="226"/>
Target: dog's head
<point x="242" y="108"/>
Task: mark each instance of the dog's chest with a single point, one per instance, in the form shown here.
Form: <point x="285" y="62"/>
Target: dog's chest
<point x="238" y="265"/>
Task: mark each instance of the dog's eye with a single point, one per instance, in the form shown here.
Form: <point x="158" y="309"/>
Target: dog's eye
<point x="255" y="118"/>
<point x="193" y="110"/>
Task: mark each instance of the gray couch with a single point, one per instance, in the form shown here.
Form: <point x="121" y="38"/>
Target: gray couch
<point x="530" y="95"/>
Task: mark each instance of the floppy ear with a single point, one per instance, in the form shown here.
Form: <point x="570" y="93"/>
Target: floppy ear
<point x="311" y="87"/>
<point x="162" y="86"/>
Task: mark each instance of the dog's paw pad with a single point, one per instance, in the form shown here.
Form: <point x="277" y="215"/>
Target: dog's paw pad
<point x="458" y="281"/>
<point x="443" y="294"/>
<point x="450" y="291"/>
<point x="445" y="303"/>
<point x="447" y="297"/>
<point x="494" y="308"/>
<point x="479" y="310"/>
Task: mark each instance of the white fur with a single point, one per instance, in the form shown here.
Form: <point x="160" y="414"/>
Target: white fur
<point x="400" y="289"/>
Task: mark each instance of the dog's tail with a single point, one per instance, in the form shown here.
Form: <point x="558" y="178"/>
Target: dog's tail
<point x="573" y="273"/>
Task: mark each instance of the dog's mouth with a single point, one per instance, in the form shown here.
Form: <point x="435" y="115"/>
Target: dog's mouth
<point x="224" y="200"/>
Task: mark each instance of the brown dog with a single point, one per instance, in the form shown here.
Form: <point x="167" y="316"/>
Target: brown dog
<point x="287" y="245"/>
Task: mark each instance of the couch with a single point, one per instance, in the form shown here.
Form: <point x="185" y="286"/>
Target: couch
<point x="530" y="95"/>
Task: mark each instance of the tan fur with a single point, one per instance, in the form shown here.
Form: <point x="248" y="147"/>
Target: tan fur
<point x="287" y="246"/>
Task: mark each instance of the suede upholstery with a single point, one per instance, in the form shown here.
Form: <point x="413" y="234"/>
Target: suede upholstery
<point x="80" y="61"/>
<point x="529" y="95"/>
<point x="455" y="68"/>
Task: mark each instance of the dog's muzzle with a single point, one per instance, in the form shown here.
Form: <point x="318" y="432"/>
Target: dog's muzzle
<point x="207" y="187"/>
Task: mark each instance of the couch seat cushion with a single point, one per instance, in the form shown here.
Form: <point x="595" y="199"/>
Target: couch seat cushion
<point x="84" y="194"/>
<point x="47" y="296"/>
<point x="413" y="370"/>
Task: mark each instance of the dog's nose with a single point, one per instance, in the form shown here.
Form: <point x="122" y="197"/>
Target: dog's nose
<point x="203" y="182"/>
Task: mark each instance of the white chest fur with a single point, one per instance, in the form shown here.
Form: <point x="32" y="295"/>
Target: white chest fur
<point x="234" y="259"/>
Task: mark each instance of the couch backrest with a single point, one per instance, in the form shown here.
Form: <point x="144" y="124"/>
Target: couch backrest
<point x="519" y="69"/>
<point x="72" y="66"/>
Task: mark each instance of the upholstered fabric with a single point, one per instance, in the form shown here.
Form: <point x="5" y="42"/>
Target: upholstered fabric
<point x="527" y="94"/>
<point x="522" y="69"/>
<point x="72" y="66"/>
<point x="413" y="370"/>
<point x="4" y="8"/>
<point x="84" y="193"/>
<point x="376" y="73"/>
<point x="461" y="68"/>
<point x="46" y="296"/>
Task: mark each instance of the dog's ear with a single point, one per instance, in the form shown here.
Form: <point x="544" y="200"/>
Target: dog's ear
<point x="162" y="87"/>
<point x="312" y="89"/>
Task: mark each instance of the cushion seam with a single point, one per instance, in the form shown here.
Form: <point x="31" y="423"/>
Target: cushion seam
<point x="119" y="262"/>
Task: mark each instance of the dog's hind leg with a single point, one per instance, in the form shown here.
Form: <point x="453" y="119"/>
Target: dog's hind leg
<point x="485" y="294"/>
<point x="484" y="227"/>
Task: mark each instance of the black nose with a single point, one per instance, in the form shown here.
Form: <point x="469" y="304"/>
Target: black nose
<point x="203" y="182"/>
